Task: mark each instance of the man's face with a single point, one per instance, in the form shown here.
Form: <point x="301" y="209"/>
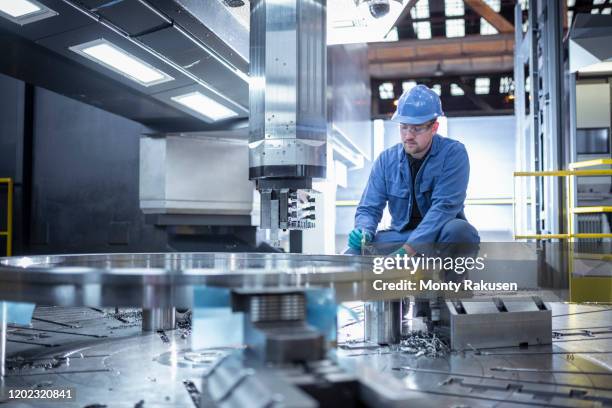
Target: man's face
<point x="417" y="138"/>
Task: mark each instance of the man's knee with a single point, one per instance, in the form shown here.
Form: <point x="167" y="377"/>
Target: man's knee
<point x="459" y="231"/>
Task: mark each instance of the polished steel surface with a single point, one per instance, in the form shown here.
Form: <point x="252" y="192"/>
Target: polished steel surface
<point x="110" y="362"/>
<point x="288" y="113"/>
<point x="159" y="318"/>
<point x="383" y="321"/>
<point x="167" y="279"/>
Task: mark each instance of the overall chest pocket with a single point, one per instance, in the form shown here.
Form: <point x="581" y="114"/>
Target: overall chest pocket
<point x="399" y="199"/>
<point x="426" y="190"/>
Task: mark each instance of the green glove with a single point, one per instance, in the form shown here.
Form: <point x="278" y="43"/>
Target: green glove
<point x="356" y="237"/>
<point x="401" y="252"/>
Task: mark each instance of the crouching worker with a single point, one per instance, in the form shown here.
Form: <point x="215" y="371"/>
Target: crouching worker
<point x="423" y="180"/>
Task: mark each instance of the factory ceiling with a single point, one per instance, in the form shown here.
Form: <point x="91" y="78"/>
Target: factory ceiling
<point x="171" y="65"/>
<point x="464" y="49"/>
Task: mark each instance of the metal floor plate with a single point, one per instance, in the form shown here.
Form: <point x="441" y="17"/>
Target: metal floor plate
<point x="110" y="362"/>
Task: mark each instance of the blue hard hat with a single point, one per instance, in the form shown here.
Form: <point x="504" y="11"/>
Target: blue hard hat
<point x="418" y="105"/>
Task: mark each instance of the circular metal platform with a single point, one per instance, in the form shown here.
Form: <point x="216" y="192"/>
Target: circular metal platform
<point x="167" y="279"/>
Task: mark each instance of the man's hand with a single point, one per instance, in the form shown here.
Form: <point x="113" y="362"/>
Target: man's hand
<point x="357" y="237"/>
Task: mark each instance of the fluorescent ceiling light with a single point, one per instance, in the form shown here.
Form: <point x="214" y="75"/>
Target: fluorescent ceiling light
<point x="598" y="2"/>
<point x="454" y="8"/>
<point x="607" y="10"/>
<point x="595" y="11"/>
<point x="205" y="106"/>
<point x="456" y="90"/>
<point x="597" y="68"/>
<point x="24" y="11"/>
<point x="116" y="59"/>
<point x="18" y="8"/>
<point x="455" y="27"/>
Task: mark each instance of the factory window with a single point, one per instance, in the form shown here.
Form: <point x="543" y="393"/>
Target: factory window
<point x="454" y="8"/>
<point x="598" y="2"/>
<point x="494" y="4"/>
<point x="506" y="84"/>
<point x="607" y="10"/>
<point x="422" y="30"/>
<point x="570" y="15"/>
<point x="456" y="90"/>
<point x="392" y="35"/>
<point x="420" y="10"/>
<point x="408" y="85"/>
<point x="482" y="86"/>
<point x="455" y="27"/>
<point x="595" y="11"/>
<point x="528" y="84"/>
<point x="486" y="28"/>
<point x="570" y="3"/>
<point x="385" y="90"/>
<point x="437" y="88"/>
<point x="525" y="4"/>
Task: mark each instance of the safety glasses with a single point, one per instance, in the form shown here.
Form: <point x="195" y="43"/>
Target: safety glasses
<point x="417" y="130"/>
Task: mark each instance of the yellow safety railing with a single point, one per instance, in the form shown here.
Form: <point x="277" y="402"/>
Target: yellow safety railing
<point x="588" y="288"/>
<point x="571" y="175"/>
<point x="9" y="215"/>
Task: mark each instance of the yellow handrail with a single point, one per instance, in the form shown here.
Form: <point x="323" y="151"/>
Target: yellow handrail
<point x="9" y="216"/>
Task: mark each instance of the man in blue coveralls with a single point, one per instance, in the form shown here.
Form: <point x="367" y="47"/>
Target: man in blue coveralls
<point x="423" y="180"/>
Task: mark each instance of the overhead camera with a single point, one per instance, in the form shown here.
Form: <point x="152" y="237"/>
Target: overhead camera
<point x="378" y="8"/>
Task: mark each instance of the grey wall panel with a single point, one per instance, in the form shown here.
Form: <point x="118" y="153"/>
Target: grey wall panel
<point x="11" y="123"/>
<point x="85" y="180"/>
<point x="12" y="94"/>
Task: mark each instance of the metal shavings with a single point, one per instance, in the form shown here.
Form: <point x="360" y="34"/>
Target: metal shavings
<point x="193" y="392"/>
<point x="421" y="343"/>
<point x="163" y="336"/>
<point x="184" y="325"/>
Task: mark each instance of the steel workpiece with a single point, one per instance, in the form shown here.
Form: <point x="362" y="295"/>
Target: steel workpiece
<point x="152" y="280"/>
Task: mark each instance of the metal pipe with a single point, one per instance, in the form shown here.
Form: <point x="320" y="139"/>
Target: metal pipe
<point x="158" y="319"/>
<point x="383" y="321"/>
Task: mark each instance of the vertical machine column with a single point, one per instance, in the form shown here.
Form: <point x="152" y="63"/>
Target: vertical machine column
<point x="288" y="112"/>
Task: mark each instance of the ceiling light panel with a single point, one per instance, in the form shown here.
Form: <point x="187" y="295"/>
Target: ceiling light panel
<point x="120" y="61"/>
<point x="205" y="106"/>
<point x="24" y="11"/>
